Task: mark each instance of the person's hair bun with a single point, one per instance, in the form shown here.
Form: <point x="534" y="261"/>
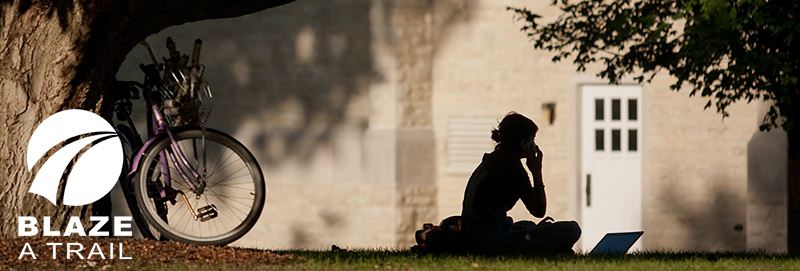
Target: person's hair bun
<point x="496" y="135"/>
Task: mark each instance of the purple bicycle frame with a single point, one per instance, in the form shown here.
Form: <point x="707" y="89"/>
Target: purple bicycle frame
<point x="162" y="126"/>
<point x="169" y="154"/>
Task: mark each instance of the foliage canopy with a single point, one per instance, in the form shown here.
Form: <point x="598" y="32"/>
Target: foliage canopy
<point x="725" y="50"/>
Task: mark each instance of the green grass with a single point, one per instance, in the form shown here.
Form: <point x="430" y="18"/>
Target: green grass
<point x="651" y="261"/>
<point x="404" y="260"/>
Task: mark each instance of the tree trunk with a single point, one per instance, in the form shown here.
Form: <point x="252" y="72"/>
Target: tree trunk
<point x="793" y="192"/>
<point x="62" y="54"/>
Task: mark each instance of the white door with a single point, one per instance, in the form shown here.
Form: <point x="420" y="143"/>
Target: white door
<point x="611" y="162"/>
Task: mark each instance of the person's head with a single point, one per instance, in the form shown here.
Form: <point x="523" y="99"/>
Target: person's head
<point x="513" y="131"/>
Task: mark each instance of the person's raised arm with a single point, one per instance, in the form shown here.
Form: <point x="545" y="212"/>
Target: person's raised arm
<point x="534" y="197"/>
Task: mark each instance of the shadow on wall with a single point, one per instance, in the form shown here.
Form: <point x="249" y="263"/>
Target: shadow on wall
<point x="766" y="192"/>
<point x="721" y="215"/>
<point x="290" y="76"/>
<point x="286" y="77"/>
<point x="303" y="237"/>
<point x="702" y="217"/>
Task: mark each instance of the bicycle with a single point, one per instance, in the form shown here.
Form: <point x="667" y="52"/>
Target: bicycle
<point x="186" y="182"/>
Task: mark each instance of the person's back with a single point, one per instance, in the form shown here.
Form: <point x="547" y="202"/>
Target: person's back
<point x="502" y="176"/>
<point x="495" y="187"/>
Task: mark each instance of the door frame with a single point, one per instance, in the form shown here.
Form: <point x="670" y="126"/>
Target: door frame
<point x="577" y="82"/>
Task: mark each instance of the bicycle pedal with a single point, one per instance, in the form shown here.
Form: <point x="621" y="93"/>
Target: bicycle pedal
<point x="207" y="213"/>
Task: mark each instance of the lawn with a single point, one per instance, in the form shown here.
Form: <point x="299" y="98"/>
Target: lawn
<point x="167" y="255"/>
<point x="404" y="260"/>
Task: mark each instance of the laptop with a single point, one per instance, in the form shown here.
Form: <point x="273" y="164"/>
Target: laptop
<point x="616" y="243"/>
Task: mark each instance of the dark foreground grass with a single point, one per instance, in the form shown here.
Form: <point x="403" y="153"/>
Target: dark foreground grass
<point x="404" y="260"/>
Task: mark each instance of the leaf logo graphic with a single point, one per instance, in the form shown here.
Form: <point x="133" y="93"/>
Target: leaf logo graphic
<point x="94" y="173"/>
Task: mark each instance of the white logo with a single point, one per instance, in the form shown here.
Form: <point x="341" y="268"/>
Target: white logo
<point x="93" y="175"/>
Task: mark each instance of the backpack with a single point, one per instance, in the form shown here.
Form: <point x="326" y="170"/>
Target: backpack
<point x="444" y="238"/>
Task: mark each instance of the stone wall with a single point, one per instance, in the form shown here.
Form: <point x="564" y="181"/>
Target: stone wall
<point x="695" y="171"/>
<point x="310" y="89"/>
<point x="416" y="168"/>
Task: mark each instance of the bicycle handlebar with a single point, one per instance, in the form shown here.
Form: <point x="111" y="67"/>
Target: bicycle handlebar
<point x="150" y="50"/>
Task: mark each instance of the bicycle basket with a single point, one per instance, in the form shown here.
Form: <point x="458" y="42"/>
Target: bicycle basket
<point x="186" y="100"/>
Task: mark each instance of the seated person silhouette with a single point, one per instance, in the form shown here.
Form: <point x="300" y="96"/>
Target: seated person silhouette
<point x="496" y="186"/>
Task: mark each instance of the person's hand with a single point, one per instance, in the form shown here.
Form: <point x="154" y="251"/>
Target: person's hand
<point x="534" y="156"/>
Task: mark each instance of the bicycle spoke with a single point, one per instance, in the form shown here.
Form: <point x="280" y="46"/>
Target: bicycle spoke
<point x="233" y="186"/>
<point x="222" y="162"/>
<point x="233" y="198"/>
<point x="229" y="176"/>
<point x="171" y="217"/>
<point x="183" y="215"/>
<point x="185" y="225"/>
<point x="217" y="152"/>
<point x="245" y="204"/>
<point x="234" y="180"/>
<point x="216" y="226"/>
<point x="229" y="207"/>
<point x="232" y="183"/>
<point x="229" y="164"/>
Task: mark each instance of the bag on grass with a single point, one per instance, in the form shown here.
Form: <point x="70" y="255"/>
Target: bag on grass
<point x="444" y="238"/>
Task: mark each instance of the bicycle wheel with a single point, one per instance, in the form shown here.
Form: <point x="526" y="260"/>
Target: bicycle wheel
<point x="234" y="189"/>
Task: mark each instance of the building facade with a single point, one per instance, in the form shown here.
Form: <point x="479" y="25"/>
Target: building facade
<point x="368" y="117"/>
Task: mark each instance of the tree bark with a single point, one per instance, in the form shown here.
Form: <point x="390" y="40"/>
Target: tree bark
<point x="62" y="54"/>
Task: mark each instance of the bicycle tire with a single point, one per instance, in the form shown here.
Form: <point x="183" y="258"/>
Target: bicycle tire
<point x="161" y="216"/>
<point x="138" y="218"/>
<point x="126" y="184"/>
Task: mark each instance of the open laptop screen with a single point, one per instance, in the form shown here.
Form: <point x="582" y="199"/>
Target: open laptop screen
<point x="616" y="243"/>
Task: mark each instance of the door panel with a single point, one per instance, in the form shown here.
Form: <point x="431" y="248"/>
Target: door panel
<point x="611" y="162"/>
